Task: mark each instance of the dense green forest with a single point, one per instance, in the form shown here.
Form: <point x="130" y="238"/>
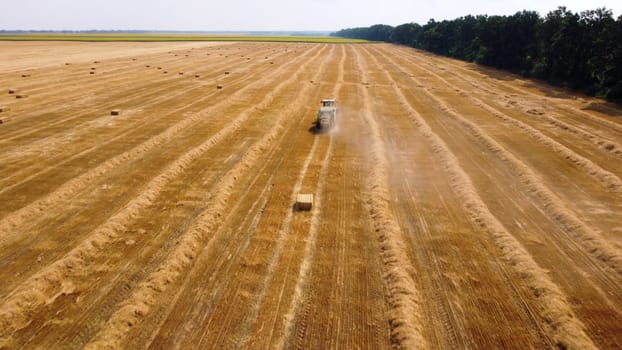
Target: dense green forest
<point x="579" y="50"/>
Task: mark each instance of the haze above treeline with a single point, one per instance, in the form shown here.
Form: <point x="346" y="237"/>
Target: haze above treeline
<point x="259" y="33"/>
<point x="253" y="16"/>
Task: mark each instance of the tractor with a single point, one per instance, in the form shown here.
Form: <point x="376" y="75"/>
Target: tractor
<point x="327" y="115"/>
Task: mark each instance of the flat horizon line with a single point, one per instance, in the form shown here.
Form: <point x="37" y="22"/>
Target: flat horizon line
<point x="140" y="31"/>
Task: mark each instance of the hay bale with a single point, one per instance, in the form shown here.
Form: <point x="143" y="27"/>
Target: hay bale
<point x="197" y="75"/>
<point x="181" y="73"/>
<point x="535" y="111"/>
<point x="115" y="112"/>
<point x="1" y="121"/>
<point x="93" y="68"/>
<point x="96" y="62"/>
<point x="271" y="62"/>
<point x="304" y="201"/>
<point x="159" y="67"/>
<point x="226" y="72"/>
<point x="21" y="96"/>
<point x="25" y="75"/>
<point x="11" y="91"/>
<point x="219" y="87"/>
<point x="4" y="109"/>
<point x="91" y="72"/>
<point x="67" y="64"/>
<point x="165" y="72"/>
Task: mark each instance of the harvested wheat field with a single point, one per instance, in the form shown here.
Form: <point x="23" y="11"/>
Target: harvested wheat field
<point x="452" y="207"/>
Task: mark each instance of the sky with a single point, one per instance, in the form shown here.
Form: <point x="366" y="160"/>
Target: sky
<point x="265" y="15"/>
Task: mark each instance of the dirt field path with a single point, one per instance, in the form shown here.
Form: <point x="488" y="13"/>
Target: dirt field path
<point x="454" y="206"/>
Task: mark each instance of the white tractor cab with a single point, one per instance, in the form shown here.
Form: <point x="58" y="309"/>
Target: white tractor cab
<point x="327" y="115"/>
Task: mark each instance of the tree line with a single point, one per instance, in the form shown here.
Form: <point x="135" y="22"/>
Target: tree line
<point x="579" y="50"/>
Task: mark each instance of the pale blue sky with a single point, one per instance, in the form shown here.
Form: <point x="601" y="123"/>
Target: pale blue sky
<point x="242" y="15"/>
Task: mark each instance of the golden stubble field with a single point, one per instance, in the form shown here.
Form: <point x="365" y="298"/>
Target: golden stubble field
<point x="455" y="206"/>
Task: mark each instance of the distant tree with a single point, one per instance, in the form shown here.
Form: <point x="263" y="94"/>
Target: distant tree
<point x="579" y="50"/>
<point x="353" y="33"/>
<point x="380" y="32"/>
<point x="406" y="34"/>
<point x="377" y="32"/>
<point x="600" y="40"/>
<point x="466" y="42"/>
<point x="613" y="79"/>
<point x="437" y="37"/>
<point x="560" y="41"/>
<point x="522" y="49"/>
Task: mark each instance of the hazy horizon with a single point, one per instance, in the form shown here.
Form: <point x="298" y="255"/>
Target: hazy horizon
<point x="243" y="16"/>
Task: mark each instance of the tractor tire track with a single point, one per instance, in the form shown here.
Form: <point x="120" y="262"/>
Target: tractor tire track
<point x="170" y="269"/>
<point x="562" y="325"/>
<point x="137" y="127"/>
<point x="65" y="192"/>
<point x="405" y="314"/>
<point x="31" y="294"/>
<point x="592" y="242"/>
